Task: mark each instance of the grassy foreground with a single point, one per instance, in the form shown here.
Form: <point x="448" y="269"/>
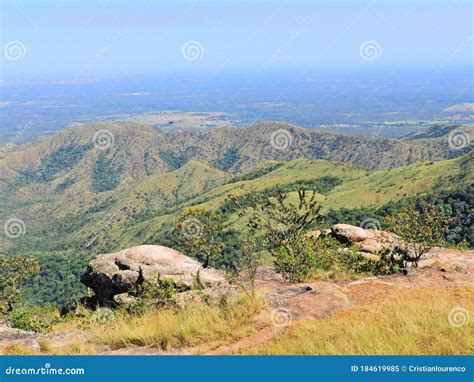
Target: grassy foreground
<point x="399" y="322"/>
<point x="166" y="329"/>
<point x="408" y="322"/>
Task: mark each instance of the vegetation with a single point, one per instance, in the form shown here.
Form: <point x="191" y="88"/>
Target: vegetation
<point x="166" y="328"/>
<point x="200" y="232"/>
<point x="58" y="161"/>
<point x="58" y="279"/>
<point x="173" y="160"/>
<point x="283" y="225"/>
<point x="229" y="158"/>
<point x="421" y="227"/>
<point x="38" y="319"/>
<point x="15" y="271"/>
<point x="245" y="267"/>
<point x="105" y="175"/>
<point x="457" y="203"/>
<point x="408" y="322"/>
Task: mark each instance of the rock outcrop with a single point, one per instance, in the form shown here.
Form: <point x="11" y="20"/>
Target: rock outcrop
<point x="116" y="273"/>
<point x="369" y="241"/>
<point x="10" y="337"/>
<point x="349" y="233"/>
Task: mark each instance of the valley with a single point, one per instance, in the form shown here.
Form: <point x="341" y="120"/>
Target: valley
<point x="77" y="199"/>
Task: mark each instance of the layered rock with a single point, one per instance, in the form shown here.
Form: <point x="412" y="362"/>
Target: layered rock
<point x="370" y="241"/>
<point x="116" y="273"/>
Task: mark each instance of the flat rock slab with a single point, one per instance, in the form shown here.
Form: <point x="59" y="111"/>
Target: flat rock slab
<point x="11" y="336"/>
<point x="303" y="301"/>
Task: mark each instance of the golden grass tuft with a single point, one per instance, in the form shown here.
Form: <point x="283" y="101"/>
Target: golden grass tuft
<point x="407" y="322"/>
<point x="168" y="328"/>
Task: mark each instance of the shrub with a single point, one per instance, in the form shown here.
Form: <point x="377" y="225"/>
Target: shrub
<point x="295" y="262"/>
<point x="201" y="234"/>
<point x="36" y="319"/>
<point x="246" y="264"/>
<point x="283" y="225"/>
<point x="421" y="226"/>
<point x="15" y="271"/>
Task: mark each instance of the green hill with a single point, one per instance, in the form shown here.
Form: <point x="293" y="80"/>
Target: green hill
<point x="77" y="200"/>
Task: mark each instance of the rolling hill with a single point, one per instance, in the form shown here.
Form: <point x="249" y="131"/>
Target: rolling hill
<point x="76" y="199"/>
<point x="64" y="186"/>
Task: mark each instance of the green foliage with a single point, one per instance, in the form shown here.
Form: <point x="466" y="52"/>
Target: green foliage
<point x="389" y="263"/>
<point x="229" y="158"/>
<point x="65" y="185"/>
<point x="421" y="226"/>
<point x="38" y="319"/>
<point x="173" y="159"/>
<point x="105" y="175"/>
<point x="200" y="231"/>
<point x="58" y="279"/>
<point x="148" y="295"/>
<point x="321" y="185"/>
<point x="245" y="266"/>
<point x="457" y="203"/>
<point x="63" y="159"/>
<point x="257" y="173"/>
<point x="15" y="271"/>
<point x="282" y="222"/>
<point x="331" y="256"/>
<point x="283" y="225"/>
<point x="295" y="262"/>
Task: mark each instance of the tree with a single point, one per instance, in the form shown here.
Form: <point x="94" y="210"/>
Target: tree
<point x="201" y="233"/>
<point x="283" y="224"/>
<point x="246" y="264"/>
<point x="421" y="226"/>
<point x="15" y="271"/>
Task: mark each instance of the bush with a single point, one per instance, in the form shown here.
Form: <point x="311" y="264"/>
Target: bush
<point x="15" y="271"/>
<point x="36" y="319"/>
<point x="421" y="226"/>
<point x="295" y="263"/>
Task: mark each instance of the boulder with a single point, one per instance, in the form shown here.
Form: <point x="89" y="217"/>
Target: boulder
<point x="348" y="233"/>
<point x="372" y="246"/>
<point x="116" y="273"/>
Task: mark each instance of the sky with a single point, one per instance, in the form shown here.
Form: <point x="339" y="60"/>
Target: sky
<point x="87" y="38"/>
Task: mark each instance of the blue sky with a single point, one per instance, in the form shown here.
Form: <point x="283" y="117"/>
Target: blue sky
<point x="89" y="38"/>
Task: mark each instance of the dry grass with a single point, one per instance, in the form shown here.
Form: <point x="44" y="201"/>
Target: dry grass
<point x="408" y="322"/>
<point x="166" y="329"/>
<point x="18" y="349"/>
